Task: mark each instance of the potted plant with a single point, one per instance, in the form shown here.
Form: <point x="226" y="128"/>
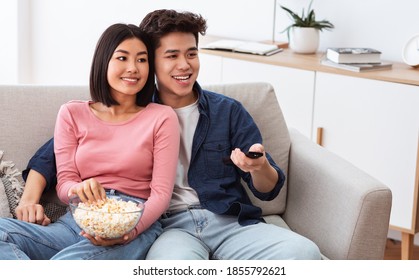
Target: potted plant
<point x="303" y="33"/>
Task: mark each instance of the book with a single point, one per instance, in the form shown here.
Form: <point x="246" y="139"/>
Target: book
<point x="353" y="55"/>
<point x="358" y="67"/>
<point x="243" y="47"/>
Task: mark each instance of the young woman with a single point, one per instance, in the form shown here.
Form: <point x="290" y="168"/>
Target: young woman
<point x="118" y="140"/>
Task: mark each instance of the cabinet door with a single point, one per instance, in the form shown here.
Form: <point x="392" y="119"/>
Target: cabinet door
<point x="294" y="88"/>
<point x="374" y="125"/>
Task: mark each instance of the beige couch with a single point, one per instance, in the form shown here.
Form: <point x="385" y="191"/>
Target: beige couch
<point x="341" y="208"/>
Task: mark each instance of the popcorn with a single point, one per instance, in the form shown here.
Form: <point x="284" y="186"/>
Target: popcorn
<point x="111" y="218"/>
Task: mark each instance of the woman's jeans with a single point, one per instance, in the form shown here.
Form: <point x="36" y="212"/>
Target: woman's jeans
<point x="200" y="234"/>
<point x="61" y="240"/>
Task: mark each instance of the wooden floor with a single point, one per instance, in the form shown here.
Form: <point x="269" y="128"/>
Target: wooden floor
<point x="393" y="250"/>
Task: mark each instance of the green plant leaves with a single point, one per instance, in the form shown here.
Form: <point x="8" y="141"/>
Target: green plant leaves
<point x="306" y="21"/>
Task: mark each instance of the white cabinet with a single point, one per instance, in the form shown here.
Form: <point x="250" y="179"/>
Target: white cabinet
<point x="374" y="125"/>
<point x="293" y="87"/>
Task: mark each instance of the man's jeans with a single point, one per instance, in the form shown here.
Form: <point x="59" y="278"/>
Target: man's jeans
<point x="200" y="234"/>
<point x="61" y="240"/>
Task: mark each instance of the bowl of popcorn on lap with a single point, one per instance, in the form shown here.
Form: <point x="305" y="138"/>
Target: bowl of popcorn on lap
<point x="111" y="218"/>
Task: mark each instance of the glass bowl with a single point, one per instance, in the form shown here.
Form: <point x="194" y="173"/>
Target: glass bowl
<point x="113" y="218"/>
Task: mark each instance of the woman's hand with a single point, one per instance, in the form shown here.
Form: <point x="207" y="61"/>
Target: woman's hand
<point x="90" y="191"/>
<point x="98" y="241"/>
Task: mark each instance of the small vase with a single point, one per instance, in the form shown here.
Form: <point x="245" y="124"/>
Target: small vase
<point x="304" y="40"/>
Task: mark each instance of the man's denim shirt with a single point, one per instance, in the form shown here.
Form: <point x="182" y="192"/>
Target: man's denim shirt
<point x="223" y="125"/>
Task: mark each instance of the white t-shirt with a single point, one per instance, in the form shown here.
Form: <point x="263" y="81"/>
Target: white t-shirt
<point x="183" y="194"/>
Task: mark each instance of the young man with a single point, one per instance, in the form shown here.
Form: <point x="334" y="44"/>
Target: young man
<point x="210" y="215"/>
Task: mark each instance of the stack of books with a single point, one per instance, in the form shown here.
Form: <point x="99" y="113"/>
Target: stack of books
<point x="355" y="59"/>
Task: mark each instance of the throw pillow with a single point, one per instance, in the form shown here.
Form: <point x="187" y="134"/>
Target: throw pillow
<point x="12" y="186"/>
<point x="4" y="203"/>
<point x="11" y="190"/>
<point x="53" y="207"/>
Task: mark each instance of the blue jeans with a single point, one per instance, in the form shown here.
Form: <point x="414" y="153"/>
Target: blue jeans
<point x="61" y="240"/>
<point x="198" y="234"/>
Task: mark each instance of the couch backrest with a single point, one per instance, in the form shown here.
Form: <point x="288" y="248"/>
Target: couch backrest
<point x="28" y="113"/>
<point x="260" y="101"/>
<point x="27" y="117"/>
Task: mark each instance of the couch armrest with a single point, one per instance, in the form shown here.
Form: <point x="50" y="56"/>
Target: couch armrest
<point x="342" y="209"/>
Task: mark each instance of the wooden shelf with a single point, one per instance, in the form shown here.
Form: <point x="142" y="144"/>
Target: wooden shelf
<point x="400" y="73"/>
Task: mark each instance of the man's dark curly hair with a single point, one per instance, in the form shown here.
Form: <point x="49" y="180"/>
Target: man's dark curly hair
<point x="162" y="22"/>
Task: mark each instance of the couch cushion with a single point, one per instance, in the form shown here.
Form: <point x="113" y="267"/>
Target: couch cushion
<point x="261" y="102"/>
<point x="28" y="114"/>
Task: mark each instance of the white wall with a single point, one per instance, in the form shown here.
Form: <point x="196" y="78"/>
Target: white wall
<point x="63" y="33"/>
<point x="52" y="41"/>
<point x="9" y="42"/>
<point x="382" y="24"/>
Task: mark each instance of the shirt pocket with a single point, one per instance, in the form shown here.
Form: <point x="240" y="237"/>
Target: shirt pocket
<point x="214" y="153"/>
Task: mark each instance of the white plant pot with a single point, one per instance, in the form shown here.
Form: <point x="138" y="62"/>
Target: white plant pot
<point x="304" y="39"/>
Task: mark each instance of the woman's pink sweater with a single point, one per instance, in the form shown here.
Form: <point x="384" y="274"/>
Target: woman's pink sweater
<point x="137" y="157"/>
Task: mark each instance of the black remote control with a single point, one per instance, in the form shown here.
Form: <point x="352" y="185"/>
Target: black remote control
<point x="254" y="154"/>
<point x="227" y="160"/>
